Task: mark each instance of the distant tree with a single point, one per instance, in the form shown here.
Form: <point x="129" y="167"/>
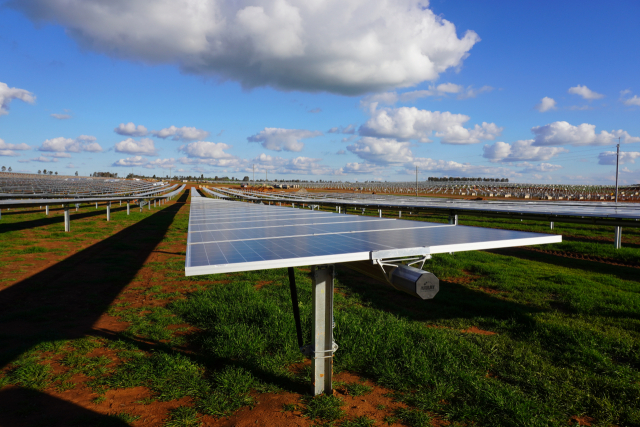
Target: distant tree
<point x="44" y="171"/>
<point x="201" y="176"/>
<point x="4" y="168"/>
<point x="154" y="175"/>
<point x="10" y="169"/>
<point x="246" y="178"/>
<point x="56" y="172"/>
<point x="39" y="171"/>
<point x="50" y="172"/>
<point x="76" y="173"/>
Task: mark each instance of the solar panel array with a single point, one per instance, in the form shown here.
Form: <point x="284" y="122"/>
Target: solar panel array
<point x="578" y="209"/>
<point x="226" y="236"/>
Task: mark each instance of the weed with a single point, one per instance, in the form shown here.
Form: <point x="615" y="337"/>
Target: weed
<point x="99" y="399"/>
<point x="324" y="407"/>
<point x="127" y="418"/>
<point x="183" y="416"/>
<point x="357" y="389"/>
<point x="362" y="421"/>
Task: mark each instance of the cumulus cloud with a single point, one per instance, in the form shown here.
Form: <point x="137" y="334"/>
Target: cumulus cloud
<point x="43" y="159"/>
<point x="609" y="157"/>
<point x="371" y="102"/>
<point x="277" y="139"/>
<point x="298" y="165"/>
<point x="129" y="162"/>
<point x="340" y="152"/>
<point x="81" y="143"/>
<point x="451" y="167"/>
<point x="58" y="155"/>
<point x="181" y="134"/>
<point x="541" y="167"/>
<point x="563" y="133"/>
<point x="382" y="151"/>
<point x="546" y="104"/>
<point x="61" y="116"/>
<point x="131" y="129"/>
<point x="206" y="150"/>
<point x="8" y="94"/>
<point x="145" y="146"/>
<point x="161" y="164"/>
<point x="7" y="149"/>
<point x="519" y="151"/>
<point x="407" y="123"/>
<point x="349" y="47"/>
<point x="633" y="101"/>
<point x="359" y="168"/>
<point x="585" y="92"/>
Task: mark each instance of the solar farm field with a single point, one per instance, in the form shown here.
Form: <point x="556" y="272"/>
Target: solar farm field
<point x="100" y="326"/>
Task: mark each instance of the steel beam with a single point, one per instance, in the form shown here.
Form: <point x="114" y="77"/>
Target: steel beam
<point x="322" y="346"/>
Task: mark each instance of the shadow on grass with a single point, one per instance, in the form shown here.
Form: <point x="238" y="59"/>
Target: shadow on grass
<point x="453" y="301"/>
<point x="24" y="407"/>
<point x="58" y="219"/>
<point x="65" y="300"/>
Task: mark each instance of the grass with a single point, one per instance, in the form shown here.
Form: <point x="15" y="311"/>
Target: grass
<point x="565" y="342"/>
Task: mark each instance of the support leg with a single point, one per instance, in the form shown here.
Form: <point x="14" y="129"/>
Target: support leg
<point x="322" y="329"/>
<point x="296" y="307"/>
<point x="109" y="212"/>
<point x="399" y="214"/>
<point x="453" y="219"/>
<point x="46" y="210"/>
<point x="618" y="238"/>
<point x="149" y="204"/>
<point x="127" y="207"/>
<point x="96" y="205"/>
<point x="67" y="219"/>
<point x="551" y="225"/>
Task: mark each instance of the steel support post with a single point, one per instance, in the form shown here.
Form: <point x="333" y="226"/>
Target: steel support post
<point x="46" y="210"/>
<point x="399" y="214"/>
<point x="322" y="346"/>
<point x="339" y="209"/>
<point x="127" y="207"/>
<point x="77" y="205"/>
<point x="96" y="205"/>
<point x="551" y="225"/>
<point x="149" y="204"/>
<point x="67" y="219"/>
<point x="380" y="213"/>
<point x="109" y="212"/>
<point x="453" y="219"/>
<point x="618" y="237"/>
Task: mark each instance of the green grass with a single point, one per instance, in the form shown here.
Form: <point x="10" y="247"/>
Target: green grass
<point x="566" y="338"/>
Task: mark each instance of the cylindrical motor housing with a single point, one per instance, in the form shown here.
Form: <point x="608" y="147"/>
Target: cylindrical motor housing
<point x="416" y="282"/>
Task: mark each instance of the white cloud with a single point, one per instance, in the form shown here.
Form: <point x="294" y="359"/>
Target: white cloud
<point x="299" y="165"/>
<point x="609" y="157"/>
<point x="7" y="149"/>
<point x="546" y="104"/>
<point x="451" y="167"/>
<point x="161" y="164"/>
<point x="580" y="107"/>
<point x="61" y="116"/>
<point x="541" y="167"/>
<point x="206" y="150"/>
<point x="347" y="47"/>
<point x="70" y="166"/>
<point x="370" y="102"/>
<point x="563" y="133"/>
<point x="633" y="101"/>
<point x="81" y="143"/>
<point x="340" y="152"/>
<point x="407" y="123"/>
<point x="8" y="94"/>
<point x="145" y="147"/>
<point x="135" y="161"/>
<point x="131" y="129"/>
<point x="359" y="168"/>
<point x="277" y="139"/>
<point x="382" y="151"/>
<point x="519" y="151"/>
<point x="181" y="134"/>
<point x="43" y="159"/>
<point x="58" y="155"/>
<point x="585" y="92"/>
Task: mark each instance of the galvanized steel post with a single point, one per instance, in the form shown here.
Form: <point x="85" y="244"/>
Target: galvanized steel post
<point x="46" y="210"/>
<point x="67" y="219"/>
<point x="322" y="346"/>
<point x="618" y="237"/>
<point x="127" y="207"/>
<point x="109" y="212"/>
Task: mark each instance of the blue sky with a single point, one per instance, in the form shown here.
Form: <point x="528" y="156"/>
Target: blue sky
<point x="536" y="91"/>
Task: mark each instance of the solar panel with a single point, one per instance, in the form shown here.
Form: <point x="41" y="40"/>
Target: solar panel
<point x="231" y="236"/>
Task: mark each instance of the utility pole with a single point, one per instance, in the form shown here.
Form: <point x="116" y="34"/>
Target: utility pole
<point x="617" y="161"/>
<point x="416" y="181"/>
